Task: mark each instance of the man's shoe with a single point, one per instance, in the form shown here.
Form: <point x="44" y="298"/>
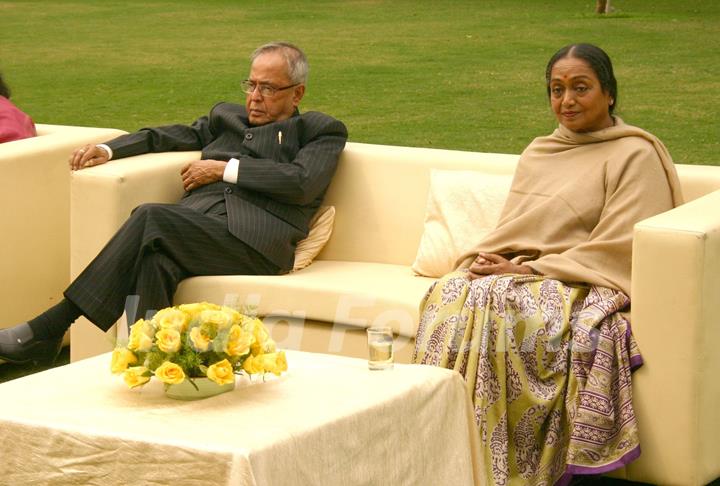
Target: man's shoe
<point x="19" y="345"/>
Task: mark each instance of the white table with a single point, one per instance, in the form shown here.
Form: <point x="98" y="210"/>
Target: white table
<point x="328" y="420"/>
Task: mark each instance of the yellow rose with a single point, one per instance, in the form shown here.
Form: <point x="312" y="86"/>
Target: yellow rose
<point x="194" y="310"/>
<point x="168" y="340"/>
<point x="217" y="319"/>
<point x="261" y="336"/>
<point x="221" y="372"/>
<point x="121" y="358"/>
<point x="234" y="316"/>
<point x="252" y="365"/>
<point x="140" y="338"/>
<point x="199" y="339"/>
<point x="269" y="346"/>
<point x="136" y="376"/>
<point x="171" y="318"/>
<point x="274" y="363"/>
<point x="281" y="362"/>
<point x="256" y="327"/>
<point x="239" y="341"/>
<point x="170" y="373"/>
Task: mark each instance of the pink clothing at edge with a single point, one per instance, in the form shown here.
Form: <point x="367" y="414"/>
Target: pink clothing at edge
<point x="14" y="124"/>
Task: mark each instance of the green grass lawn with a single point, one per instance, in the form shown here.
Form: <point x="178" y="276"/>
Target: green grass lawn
<point x="463" y="75"/>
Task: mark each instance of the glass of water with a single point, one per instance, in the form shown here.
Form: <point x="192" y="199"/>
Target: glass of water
<point x="380" y="348"/>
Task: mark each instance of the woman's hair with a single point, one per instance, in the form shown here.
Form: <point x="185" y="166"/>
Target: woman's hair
<point x="4" y="88"/>
<point x="294" y="56"/>
<point x="598" y="61"/>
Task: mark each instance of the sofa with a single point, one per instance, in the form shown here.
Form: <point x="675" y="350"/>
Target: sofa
<point x="35" y="205"/>
<point x="363" y="277"/>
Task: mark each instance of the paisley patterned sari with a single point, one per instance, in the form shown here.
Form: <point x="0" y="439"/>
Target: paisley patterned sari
<point x="548" y="367"/>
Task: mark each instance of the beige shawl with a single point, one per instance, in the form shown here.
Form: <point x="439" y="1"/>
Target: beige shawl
<point x="574" y="200"/>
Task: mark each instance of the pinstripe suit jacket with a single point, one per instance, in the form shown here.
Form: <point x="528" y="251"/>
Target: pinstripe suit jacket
<point x="281" y="180"/>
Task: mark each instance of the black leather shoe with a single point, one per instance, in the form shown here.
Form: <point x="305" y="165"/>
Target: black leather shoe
<point x="19" y="345"/>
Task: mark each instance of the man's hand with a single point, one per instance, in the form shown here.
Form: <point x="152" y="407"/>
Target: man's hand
<point x="491" y="264"/>
<point x="201" y="172"/>
<point x="87" y="156"/>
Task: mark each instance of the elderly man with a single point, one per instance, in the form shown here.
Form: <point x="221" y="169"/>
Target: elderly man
<point x="264" y="171"/>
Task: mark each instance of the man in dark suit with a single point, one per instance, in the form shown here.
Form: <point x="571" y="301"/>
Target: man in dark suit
<point x="263" y="173"/>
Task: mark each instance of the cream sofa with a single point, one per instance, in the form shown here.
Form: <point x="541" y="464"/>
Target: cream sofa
<point x="363" y="277"/>
<point x="35" y="205"/>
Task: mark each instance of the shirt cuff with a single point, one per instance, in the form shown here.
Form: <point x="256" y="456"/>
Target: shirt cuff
<point x="231" y="171"/>
<point x="106" y="149"/>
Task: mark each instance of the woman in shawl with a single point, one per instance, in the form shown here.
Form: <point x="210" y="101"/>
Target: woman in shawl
<point x="533" y="316"/>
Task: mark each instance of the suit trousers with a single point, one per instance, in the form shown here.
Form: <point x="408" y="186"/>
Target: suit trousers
<point x="156" y="248"/>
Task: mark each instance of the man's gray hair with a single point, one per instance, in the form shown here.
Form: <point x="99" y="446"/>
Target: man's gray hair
<point x="297" y="62"/>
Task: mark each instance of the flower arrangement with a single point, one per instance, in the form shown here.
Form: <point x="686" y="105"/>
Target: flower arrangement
<point x="195" y="341"/>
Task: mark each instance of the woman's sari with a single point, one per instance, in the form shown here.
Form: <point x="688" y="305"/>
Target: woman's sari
<point x="548" y="367"/>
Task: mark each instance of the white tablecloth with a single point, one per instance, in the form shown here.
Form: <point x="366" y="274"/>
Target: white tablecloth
<point x="328" y="420"/>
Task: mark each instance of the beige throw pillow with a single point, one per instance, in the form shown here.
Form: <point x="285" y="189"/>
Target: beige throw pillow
<point x="462" y="207"/>
<point x="321" y="226"/>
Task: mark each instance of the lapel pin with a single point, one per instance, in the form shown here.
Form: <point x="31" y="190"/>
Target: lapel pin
<point x="279" y="138"/>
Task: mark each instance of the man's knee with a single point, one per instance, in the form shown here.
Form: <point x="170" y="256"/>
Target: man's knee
<point x="155" y="212"/>
<point x="149" y="220"/>
<point x="147" y="209"/>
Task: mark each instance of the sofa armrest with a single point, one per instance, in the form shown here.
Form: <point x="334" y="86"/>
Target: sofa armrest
<point x="35" y="214"/>
<point x="102" y="197"/>
<point x="675" y="309"/>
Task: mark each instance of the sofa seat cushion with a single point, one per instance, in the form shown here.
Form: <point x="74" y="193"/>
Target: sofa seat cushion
<point x="358" y="294"/>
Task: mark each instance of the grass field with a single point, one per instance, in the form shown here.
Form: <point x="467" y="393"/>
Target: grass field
<point x="464" y="75"/>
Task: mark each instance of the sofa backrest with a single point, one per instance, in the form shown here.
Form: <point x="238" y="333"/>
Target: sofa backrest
<point x="698" y="180"/>
<point x="380" y="195"/>
<point x="43" y="129"/>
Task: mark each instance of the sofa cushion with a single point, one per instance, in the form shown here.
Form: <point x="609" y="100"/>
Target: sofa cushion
<point x="321" y="226"/>
<point x="380" y="193"/>
<point x="462" y="207"/>
<point x="352" y="293"/>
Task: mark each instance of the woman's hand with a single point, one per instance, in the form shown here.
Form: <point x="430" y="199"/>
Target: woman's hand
<point x="491" y="264"/>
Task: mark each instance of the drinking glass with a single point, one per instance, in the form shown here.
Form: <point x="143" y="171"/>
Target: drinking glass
<point x="380" y="348"/>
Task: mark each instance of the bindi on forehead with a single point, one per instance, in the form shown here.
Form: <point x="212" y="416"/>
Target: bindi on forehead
<point x="563" y="71"/>
<point x="572" y="77"/>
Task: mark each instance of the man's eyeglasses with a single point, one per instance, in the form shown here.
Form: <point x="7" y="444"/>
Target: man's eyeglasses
<point x="266" y="90"/>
